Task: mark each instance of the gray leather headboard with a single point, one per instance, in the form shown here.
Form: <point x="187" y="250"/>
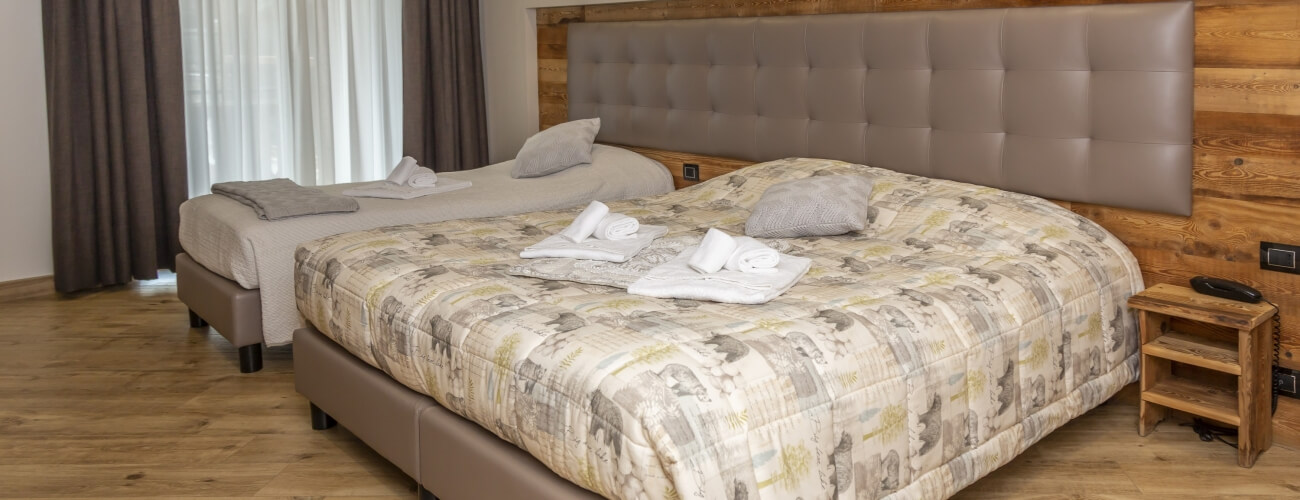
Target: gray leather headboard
<point x="1088" y="103"/>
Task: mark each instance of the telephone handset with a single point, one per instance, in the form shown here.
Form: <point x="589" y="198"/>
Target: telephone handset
<point x="1226" y="289"/>
<point x="1232" y="290"/>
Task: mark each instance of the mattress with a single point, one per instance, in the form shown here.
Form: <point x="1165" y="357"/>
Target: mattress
<point x="962" y="325"/>
<point x="227" y="238"/>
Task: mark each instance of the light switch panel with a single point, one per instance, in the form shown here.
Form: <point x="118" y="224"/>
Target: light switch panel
<point x="1279" y="257"/>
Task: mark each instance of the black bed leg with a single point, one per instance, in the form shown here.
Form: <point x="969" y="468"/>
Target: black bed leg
<point x="321" y="420"/>
<point x="426" y="495"/>
<point x="196" y="321"/>
<point x="250" y="358"/>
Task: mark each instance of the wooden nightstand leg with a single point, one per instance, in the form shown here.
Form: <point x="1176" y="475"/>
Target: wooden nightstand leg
<point x="1153" y="370"/>
<point x="1150" y="415"/>
<point x="1255" y="394"/>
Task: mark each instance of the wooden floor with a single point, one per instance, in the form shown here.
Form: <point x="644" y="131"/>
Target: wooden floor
<point x="110" y="395"/>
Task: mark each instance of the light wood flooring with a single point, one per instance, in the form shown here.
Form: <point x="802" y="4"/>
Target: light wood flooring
<point x="111" y="395"/>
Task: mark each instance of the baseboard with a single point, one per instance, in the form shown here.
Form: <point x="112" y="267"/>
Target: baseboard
<point x="40" y="286"/>
<point x="1286" y="423"/>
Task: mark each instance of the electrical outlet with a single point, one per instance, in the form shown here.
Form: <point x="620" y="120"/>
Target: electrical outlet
<point x="1279" y="257"/>
<point x="1285" y="380"/>
<point x="690" y="171"/>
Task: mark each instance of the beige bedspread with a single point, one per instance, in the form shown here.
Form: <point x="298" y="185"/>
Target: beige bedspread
<point x="916" y="356"/>
<point x="227" y="237"/>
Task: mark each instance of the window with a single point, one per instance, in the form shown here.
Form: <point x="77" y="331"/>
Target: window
<point x="310" y="90"/>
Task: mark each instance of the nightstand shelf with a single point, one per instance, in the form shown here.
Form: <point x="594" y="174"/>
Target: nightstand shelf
<point x="1200" y="351"/>
<point x="1246" y="406"/>
<point x="1195" y="398"/>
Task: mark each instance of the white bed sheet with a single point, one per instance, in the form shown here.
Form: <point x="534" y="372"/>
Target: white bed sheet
<point x="227" y="238"/>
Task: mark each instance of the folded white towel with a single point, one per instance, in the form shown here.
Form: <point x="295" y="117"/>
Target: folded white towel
<point x="423" y="177"/>
<point x="676" y="280"/>
<point x="616" y="227"/>
<point x="402" y="172"/>
<point x="713" y="252"/>
<point x="383" y="189"/>
<point x="585" y="224"/>
<point x="557" y="246"/>
<point x="752" y="256"/>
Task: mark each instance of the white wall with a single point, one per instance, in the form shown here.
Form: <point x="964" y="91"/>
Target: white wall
<point x="510" y="68"/>
<point x="25" y="248"/>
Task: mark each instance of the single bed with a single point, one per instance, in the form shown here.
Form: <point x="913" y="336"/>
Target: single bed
<point x="917" y="355"/>
<point x="237" y="270"/>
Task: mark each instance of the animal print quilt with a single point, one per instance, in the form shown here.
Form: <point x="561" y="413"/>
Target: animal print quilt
<point x="916" y="356"/>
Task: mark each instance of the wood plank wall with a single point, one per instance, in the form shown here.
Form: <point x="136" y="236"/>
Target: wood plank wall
<point x="1246" y="177"/>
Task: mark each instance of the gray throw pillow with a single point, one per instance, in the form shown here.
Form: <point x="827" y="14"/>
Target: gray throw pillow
<point x="556" y="149"/>
<point x="813" y="206"/>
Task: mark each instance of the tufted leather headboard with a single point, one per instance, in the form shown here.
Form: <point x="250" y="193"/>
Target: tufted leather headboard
<point x="1087" y="103"/>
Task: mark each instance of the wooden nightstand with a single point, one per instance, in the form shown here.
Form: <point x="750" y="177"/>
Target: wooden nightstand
<point x="1180" y="326"/>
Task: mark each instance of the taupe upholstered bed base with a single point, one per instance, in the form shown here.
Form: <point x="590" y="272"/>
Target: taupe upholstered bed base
<point x="434" y="446"/>
<point x="233" y="311"/>
<point x="1086" y="103"/>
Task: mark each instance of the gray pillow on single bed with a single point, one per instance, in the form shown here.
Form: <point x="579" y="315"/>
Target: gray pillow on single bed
<point x="813" y="206"/>
<point x="556" y="148"/>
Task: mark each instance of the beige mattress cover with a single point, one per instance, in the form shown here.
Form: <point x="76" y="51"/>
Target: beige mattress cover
<point x="228" y="239"/>
<point x="959" y="328"/>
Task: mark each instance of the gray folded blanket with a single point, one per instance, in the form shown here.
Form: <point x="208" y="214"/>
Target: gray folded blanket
<point x="277" y="199"/>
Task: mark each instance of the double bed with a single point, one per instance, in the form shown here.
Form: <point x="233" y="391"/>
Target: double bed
<point x="237" y="270"/>
<point x="967" y="320"/>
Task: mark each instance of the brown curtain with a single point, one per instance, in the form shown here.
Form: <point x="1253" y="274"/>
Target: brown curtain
<point x="445" y="120"/>
<point x="117" y="138"/>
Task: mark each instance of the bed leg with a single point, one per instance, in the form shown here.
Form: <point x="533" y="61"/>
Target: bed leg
<point x="426" y="495"/>
<point x="250" y="358"/>
<point x="196" y="321"/>
<point x="321" y="420"/>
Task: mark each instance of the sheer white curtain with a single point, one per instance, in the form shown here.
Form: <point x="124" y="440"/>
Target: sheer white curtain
<point x="305" y="89"/>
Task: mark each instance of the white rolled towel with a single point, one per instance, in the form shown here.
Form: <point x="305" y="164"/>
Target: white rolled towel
<point x="585" y="224"/>
<point x="713" y="252"/>
<point x="403" y="171"/>
<point x="617" y="227"/>
<point x="752" y="256"/>
<point x="422" y="177"/>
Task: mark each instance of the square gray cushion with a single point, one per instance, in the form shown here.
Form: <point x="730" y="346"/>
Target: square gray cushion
<point x="556" y="149"/>
<point x="814" y="206"/>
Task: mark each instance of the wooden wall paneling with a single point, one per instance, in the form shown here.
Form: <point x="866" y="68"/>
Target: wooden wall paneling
<point x="1260" y="34"/>
<point x="552" y="16"/>
<point x="1248" y="156"/>
<point x="630" y="11"/>
<point x="1246" y="172"/>
<point x="1248" y="90"/>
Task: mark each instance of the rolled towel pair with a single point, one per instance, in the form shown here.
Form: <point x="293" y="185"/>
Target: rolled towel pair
<point x="408" y="172"/>
<point x="713" y="253"/>
<point x="596" y="221"/>
<point x="585" y="224"/>
<point x="403" y="171"/>
<point x="720" y="250"/>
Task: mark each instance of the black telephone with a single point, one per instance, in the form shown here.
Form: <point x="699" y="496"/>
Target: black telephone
<point x="1226" y="289"/>
<point x="1232" y="290"/>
